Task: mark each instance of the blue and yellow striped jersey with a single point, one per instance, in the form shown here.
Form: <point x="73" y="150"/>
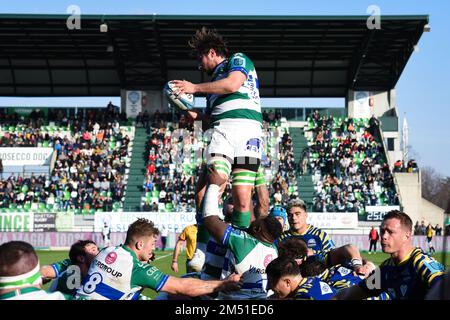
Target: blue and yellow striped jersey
<point x="314" y="289"/>
<point x="410" y="279"/>
<point x="341" y="277"/>
<point x="316" y="239"/>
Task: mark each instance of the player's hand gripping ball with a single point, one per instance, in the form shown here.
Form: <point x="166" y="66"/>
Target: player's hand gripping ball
<point x="183" y="102"/>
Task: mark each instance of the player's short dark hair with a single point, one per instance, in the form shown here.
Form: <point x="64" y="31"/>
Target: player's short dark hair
<point x="141" y="227"/>
<point x="281" y="267"/>
<point x="404" y="219"/>
<point x="206" y="39"/>
<point x="270" y="226"/>
<point x="77" y="249"/>
<point x="312" y="267"/>
<point x="17" y="258"/>
<point x="294" y="248"/>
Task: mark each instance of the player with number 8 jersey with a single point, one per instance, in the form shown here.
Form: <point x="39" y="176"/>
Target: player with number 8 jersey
<point x="117" y="274"/>
<point x="122" y="272"/>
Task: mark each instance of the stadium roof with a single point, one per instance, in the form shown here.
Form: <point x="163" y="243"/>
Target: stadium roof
<point x="295" y="56"/>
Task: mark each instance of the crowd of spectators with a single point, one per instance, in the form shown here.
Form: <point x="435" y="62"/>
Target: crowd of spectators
<point x="282" y="171"/>
<point x="174" y="153"/>
<point x="348" y="165"/>
<point x="172" y="167"/>
<point x="422" y="229"/>
<point x="411" y="166"/>
<point x="90" y="168"/>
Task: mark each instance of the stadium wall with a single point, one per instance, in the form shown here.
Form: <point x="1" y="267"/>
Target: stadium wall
<point x="419" y="209"/>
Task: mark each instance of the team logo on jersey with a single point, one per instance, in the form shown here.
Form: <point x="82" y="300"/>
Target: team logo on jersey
<point x="267" y="260"/>
<point x="325" y="288"/>
<point x="344" y="271"/>
<point x="311" y="243"/>
<point x="254" y="144"/>
<point x="238" y="62"/>
<point x="111" y="258"/>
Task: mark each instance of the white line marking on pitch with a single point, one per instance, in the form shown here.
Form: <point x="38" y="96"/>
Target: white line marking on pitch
<point x="163" y="256"/>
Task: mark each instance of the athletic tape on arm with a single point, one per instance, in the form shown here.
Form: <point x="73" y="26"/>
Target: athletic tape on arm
<point x="211" y="207"/>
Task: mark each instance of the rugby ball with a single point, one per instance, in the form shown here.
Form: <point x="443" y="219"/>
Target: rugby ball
<point x="182" y="102"/>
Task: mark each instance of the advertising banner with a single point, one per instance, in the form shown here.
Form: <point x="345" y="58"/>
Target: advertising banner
<point x="16" y="221"/>
<point x="44" y="222"/>
<point x="133" y="103"/>
<point x="335" y="220"/>
<point x="66" y="239"/>
<point x="25" y="156"/>
<point x="376" y="213"/>
<point x="119" y="222"/>
<point x="361" y="104"/>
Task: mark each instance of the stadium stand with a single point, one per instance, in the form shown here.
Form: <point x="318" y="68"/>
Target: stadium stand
<point x="348" y="165"/>
<point x="90" y="172"/>
<point x="173" y="161"/>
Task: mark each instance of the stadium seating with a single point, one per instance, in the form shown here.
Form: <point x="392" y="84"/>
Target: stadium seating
<point x="348" y="165"/>
<point x="173" y="163"/>
<point x="90" y="171"/>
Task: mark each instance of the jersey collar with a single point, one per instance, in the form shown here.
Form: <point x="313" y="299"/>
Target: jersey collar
<point x="130" y="251"/>
<point x="408" y="256"/>
<point x="303" y="233"/>
<point x="301" y="283"/>
<point x="218" y="67"/>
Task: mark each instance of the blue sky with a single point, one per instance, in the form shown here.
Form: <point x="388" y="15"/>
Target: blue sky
<point x="423" y="92"/>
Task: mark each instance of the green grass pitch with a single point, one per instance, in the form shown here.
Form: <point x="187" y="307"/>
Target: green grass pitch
<point x="164" y="258"/>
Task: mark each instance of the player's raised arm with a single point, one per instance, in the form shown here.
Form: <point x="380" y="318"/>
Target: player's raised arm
<point x="228" y="85"/>
<point x="211" y="212"/>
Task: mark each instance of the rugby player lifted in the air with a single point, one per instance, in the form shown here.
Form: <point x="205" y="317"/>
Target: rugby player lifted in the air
<point x="233" y="113"/>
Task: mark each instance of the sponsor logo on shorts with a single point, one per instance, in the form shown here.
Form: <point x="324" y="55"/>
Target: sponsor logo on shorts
<point x="111" y="258"/>
<point x="254" y="145"/>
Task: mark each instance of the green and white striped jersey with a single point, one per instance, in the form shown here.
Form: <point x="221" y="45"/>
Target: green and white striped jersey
<point x="117" y="274"/>
<point x="247" y="256"/>
<point x="243" y="104"/>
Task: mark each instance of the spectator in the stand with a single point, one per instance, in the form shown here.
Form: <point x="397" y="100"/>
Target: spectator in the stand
<point x="423" y="228"/>
<point x="398" y="166"/>
<point x="438" y="230"/>
<point x="412" y="166"/>
<point x="417" y="229"/>
<point x="146" y="207"/>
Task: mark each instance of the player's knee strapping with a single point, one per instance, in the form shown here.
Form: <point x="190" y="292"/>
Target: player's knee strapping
<point x="222" y="166"/>
<point x="260" y="178"/>
<point x="244" y="178"/>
